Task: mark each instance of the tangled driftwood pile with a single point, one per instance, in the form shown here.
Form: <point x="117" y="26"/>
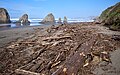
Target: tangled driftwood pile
<point x="59" y="50"/>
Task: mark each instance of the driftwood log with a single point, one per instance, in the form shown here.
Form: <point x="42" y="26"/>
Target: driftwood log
<point x="24" y="72"/>
<point x="76" y="61"/>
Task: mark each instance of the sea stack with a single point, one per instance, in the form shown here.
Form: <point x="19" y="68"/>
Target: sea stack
<point x="49" y="19"/>
<point x="65" y="20"/>
<point x="4" y="16"/>
<point x="59" y="21"/>
<point x="111" y="17"/>
<point x="24" y="20"/>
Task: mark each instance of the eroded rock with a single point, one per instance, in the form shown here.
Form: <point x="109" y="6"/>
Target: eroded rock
<point x="65" y="20"/>
<point x="4" y="16"/>
<point x="49" y="19"/>
<point x="24" y="20"/>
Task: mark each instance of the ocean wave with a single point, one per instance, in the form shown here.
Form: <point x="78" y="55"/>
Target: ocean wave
<point x="69" y="20"/>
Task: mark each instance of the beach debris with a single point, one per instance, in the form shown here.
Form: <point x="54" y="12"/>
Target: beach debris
<point x="65" y="70"/>
<point x="2" y="67"/>
<point x="55" y="64"/>
<point x="66" y="50"/>
<point x="3" y="37"/>
<point x="88" y="59"/>
<point x="24" y="72"/>
<point x="105" y="57"/>
<point x="116" y="37"/>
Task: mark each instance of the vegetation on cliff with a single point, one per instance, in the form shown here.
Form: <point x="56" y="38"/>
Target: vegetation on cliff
<point x="111" y="17"/>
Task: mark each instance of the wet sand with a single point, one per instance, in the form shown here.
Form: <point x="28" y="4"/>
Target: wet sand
<point x="9" y="35"/>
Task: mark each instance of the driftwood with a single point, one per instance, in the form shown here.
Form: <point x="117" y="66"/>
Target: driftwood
<point x="62" y="52"/>
<point x="28" y="64"/>
<point x="55" y="64"/>
<point x="52" y="43"/>
<point x="116" y="37"/>
<point x="75" y="62"/>
<point x="56" y="38"/>
<point x="24" y="72"/>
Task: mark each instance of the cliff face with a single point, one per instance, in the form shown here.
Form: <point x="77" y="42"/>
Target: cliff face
<point x="4" y="16"/>
<point x="111" y="17"/>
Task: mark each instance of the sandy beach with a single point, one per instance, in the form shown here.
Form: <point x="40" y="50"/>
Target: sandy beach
<point x="9" y="35"/>
<point x="59" y="37"/>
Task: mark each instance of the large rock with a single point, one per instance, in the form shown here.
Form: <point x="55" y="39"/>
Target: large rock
<point x="24" y="20"/>
<point x="65" y="20"/>
<point x="111" y="17"/>
<point x="59" y="21"/>
<point x="4" y="16"/>
<point x="49" y="19"/>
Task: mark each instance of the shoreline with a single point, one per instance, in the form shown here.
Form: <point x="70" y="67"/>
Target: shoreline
<point x="12" y="34"/>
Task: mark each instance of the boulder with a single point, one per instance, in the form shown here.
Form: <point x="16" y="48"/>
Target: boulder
<point x="24" y="20"/>
<point x="65" y="20"/>
<point x="111" y="17"/>
<point x="49" y="19"/>
<point x="4" y="16"/>
<point x="59" y="21"/>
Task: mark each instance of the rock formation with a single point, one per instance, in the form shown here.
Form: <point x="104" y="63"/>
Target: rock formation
<point x="49" y="19"/>
<point x="65" y="20"/>
<point x="24" y="20"/>
<point x="59" y="21"/>
<point x="4" y="16"/>
<point x="111" y="17"/>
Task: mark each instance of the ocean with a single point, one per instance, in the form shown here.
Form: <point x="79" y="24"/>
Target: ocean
<point x="35" y="22"/>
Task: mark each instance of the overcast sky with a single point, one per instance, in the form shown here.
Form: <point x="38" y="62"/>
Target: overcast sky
<point x="60" y="8"/>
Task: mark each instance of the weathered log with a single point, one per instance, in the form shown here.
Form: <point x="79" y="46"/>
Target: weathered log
<point x="36" y="66"/>
<point x="27" y="67"/>
<point x="28" y="64"/>
<point x="57" y="57"/>
<point x="55" y="64"/>
<point x="116" y="37"/>
<point x="29" y="43"/>
<point x="75" y="62"/>
<point x="24" y="72"/>
<point x="56" y="38"/>
<point x="52" y="43"/>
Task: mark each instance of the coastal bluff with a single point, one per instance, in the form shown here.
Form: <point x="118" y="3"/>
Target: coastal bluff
<point x="111" y="17"/>
<point x="4" y="16"/>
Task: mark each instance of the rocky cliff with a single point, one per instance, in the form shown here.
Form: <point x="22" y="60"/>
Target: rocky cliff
<point x="111" y="17"/>
<point x="4" y="16"/>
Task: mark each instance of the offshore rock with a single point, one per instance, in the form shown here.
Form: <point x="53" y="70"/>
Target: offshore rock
<point x="59" y="21"/>
<point x="65" y="20"/>
<point x="4" y="16"/>
<point x="49" y="19"/>
<point x="24" y="20"/>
